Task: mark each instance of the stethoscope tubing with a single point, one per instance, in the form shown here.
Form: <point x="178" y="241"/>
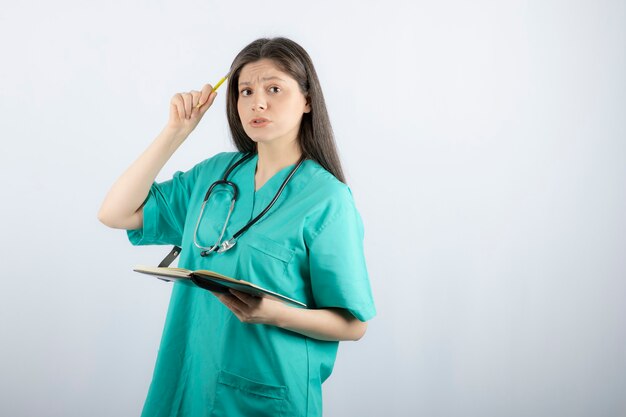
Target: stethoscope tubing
<point x="220" y="246"/>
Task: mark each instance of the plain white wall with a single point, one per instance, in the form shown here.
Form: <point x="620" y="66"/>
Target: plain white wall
<point x="485" y="144"/>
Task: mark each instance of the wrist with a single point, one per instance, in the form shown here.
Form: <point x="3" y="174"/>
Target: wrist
<point x="172" y="137"/>
<point x="282" y="315"/>
<point x="174" y="133"/>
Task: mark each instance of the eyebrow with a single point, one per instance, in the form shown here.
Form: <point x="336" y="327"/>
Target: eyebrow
<point x="262" y="79"/>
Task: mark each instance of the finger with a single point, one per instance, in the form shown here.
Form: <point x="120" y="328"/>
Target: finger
<point x="187" y="99"/>
<point x="174" y="111"/>
<point x="196" y="102"/>
<point x="195" y="98"/>
<point x="220" y="296"/>
<point x="177" y="102"/>
<point x="245" y="298"/>
<point x="232" y="305"/>
<point x="203" y="109"/>
<point x="230" y="301"/>
<point x="207" y="89"/>
<point x="224" y="298"/>
<point x="208" y="103"/>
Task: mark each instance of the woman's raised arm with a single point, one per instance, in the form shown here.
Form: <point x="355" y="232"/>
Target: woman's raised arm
<point x="122" y="206"/>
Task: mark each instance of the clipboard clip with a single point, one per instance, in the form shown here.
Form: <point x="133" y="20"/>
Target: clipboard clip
<point x="167" y="261"/>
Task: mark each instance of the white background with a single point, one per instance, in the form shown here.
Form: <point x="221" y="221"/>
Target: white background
<point x="485" y="144"/>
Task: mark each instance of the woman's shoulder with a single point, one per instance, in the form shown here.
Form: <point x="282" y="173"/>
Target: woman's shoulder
<point x="325" y="187"/>
<point x="206" y="170"/>
<point x="214" y="165"/>
<point x="218" y="160"/>
<point x="331" y="206"/>
<point x="328" y="199"/>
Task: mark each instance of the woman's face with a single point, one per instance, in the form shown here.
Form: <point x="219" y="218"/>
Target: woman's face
<point x="270" y="104"/>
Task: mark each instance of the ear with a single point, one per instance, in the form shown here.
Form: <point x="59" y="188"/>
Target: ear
<point x="307" y="107"/>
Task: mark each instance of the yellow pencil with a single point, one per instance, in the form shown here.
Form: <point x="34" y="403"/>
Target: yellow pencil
<point x="220" y="82"/>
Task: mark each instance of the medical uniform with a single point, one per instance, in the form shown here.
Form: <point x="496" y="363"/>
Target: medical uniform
<point x="309" y="247"/>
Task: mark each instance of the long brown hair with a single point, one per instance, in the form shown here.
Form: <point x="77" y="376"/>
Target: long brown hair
<point x="316" y="136"/>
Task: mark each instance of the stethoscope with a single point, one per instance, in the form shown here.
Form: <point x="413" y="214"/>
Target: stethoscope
<point x="220" y="246"/>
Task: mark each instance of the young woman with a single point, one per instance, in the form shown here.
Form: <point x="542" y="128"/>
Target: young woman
<point x="234" y="354"/>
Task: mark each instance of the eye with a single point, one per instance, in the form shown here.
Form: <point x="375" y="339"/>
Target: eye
<point x="274" y="89"/>
<point x="246" y="92"/>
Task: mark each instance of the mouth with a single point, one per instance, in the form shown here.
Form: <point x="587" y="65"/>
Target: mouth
<point x="259" y="122"/>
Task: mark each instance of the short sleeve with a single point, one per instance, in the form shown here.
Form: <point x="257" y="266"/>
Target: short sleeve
<point x="339" y="276"/>
<point x="165" y="210"/>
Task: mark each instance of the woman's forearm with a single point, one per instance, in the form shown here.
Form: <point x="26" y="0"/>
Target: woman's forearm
<point x="120" y="208"/>
<point x="331" y="324"/>
<point x="324" y="324"/>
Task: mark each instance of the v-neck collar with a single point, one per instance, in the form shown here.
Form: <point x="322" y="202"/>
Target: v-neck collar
<point x="271" y="184"/>
<point x="256" y="201"/>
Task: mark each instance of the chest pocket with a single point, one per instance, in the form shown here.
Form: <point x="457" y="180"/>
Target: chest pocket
<point x="264" y="262"/>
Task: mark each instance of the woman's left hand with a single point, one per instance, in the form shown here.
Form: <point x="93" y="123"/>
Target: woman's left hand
<point x="250" y="309"/>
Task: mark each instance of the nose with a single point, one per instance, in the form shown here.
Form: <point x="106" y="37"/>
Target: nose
<point x="259" y="103"/>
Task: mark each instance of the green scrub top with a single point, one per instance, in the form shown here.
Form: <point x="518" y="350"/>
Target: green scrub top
<point x="309" y="246"/>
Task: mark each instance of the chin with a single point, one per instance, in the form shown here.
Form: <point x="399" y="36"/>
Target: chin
<point x="260" y="139"/>
<point x="255" y="139"/>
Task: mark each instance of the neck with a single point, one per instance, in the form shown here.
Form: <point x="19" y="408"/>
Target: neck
<point x="273" y="158"/>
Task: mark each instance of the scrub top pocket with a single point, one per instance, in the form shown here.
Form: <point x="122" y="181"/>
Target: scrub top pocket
<point x="239" y="396"/>
<point x="264" y="262"/>
<point x="271" y="248"/>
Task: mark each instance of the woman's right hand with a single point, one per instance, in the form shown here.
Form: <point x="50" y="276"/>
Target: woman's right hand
<point x="184" y="111"/>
